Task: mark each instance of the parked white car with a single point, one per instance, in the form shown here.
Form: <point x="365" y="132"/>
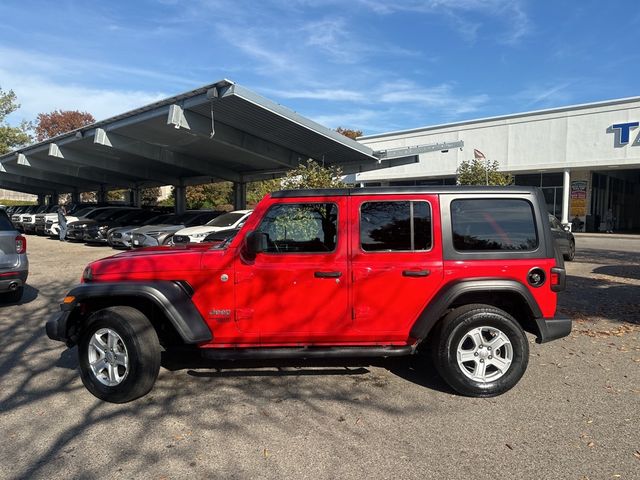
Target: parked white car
<point x="225" y="221"/>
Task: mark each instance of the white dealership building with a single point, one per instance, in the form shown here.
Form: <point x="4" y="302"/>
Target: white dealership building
<point x="586" y="158"/>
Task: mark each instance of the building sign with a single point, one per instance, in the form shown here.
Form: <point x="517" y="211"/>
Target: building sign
<point x="622" y="134"/>
<point x="578" y="198"/>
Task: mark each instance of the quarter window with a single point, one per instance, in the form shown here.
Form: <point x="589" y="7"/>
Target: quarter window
<point x="493" y="224"/>
<point x="301" y="228"/>
<point x="395" y="226"/>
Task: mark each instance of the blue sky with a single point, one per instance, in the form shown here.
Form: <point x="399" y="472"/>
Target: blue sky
<point x="372" y="65"/>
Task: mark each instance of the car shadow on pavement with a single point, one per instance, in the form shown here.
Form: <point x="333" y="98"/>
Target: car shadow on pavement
<point x="592" y="297"/>
<point x="29" y="295"/>
<point x="622" y="271"/>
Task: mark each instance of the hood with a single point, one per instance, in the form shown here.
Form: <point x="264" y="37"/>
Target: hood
<point x="138" y="264"/>
<point x="81" y="221"/>
<point x="158" y="228"/>
<point x="199" y="229"/>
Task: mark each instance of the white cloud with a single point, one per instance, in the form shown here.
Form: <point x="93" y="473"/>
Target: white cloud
<point x="43" y="83"/>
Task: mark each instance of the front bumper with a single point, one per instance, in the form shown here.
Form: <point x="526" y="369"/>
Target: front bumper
<point x="140" y="240"/>
<point x="553" y="328"/>
<point x="94" y="236"/>
<point x="75" y="234"/>
<point x="56" y="327"/>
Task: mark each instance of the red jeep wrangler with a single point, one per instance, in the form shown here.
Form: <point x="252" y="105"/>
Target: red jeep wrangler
<point x="458" y="272"/>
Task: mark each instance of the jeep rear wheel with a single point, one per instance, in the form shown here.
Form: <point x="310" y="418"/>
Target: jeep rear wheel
<point x="119" y="354"/>
<point x="481" y="351"/>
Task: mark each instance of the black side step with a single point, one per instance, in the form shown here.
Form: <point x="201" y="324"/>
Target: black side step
<point x="304" y="352"/>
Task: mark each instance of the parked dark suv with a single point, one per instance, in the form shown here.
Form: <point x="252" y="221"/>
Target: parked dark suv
<point x="456" y="273"/>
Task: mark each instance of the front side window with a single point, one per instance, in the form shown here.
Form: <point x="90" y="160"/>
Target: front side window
<point x="395" y="226"/>
<point x="301" y="228"/>
<point x="481" y="224"/>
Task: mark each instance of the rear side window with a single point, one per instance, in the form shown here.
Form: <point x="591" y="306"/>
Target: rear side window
<point x="5" y="223"/>
<point x="493" y="224"/>
<point x="301" y="228"/>
<point x="395" y="226"/>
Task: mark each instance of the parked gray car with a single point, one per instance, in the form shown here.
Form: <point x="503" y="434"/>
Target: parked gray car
<point x="14" y="266"/>
<point x="154" y="235"/>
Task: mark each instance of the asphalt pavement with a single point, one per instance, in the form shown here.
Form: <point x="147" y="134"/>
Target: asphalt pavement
<point x="574" y="415"/>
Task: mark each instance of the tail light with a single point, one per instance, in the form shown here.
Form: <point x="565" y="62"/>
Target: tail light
<point x="21" y="244"/>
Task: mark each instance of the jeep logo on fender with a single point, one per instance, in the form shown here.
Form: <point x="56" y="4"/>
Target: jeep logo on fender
<point x="622" y="134"/>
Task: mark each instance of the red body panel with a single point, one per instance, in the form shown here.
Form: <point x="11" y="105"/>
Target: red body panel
<point x="276" y="300"/>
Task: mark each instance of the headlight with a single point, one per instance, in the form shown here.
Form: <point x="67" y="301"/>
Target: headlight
<point x="87" y="275"/>
<point x="155" y="234"/>
<point x="103" y="228"/>
<point x="200" y="235"/>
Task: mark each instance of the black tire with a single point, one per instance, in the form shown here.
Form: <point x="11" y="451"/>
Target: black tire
<point x="13" y="297"/>
<point x="142" y="348"/>
<point x="455" y="327"/>
<point x="168" y="241"/>
<point x="571" y="254"/>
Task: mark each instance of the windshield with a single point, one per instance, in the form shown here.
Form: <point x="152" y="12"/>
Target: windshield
<point x="82" y="212"/>
<point x="226" y="220"/>
<point x="117" y="214"/>
<point x="158" y="220"/>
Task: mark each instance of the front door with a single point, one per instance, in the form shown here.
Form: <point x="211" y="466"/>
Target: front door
<point x="396" y="262"/>
<point x="297" y="291"/>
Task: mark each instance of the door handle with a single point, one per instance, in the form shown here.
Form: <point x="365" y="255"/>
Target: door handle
<point x="327" y="274"/>
<point x="416" y="273"/>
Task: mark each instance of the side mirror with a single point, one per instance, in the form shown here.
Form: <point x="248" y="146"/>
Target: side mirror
<point x="254" y="243"/>
<point x="566" y="228"/>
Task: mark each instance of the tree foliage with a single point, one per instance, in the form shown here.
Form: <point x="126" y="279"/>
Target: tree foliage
<point x="307" y="175"/>
<point x="217" y="196"/>
<point x="477" y="171"/>
<point x="11" y="137"/>
<point x="347" y="132"/>
<point x="49" y="125"/>
<point x="149" y="196"/>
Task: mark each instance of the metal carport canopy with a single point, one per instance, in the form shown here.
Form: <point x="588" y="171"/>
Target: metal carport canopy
<point x="222" y="131"/>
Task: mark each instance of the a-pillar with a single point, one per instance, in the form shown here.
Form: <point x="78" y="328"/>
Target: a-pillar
<point x="41" y="199"/>
<point x="55" y="199"/>
<point x="75" y="197"/>
<point x="180" y="192"/>
<point x="240" y="195"/>
<point x="566" y="186"/>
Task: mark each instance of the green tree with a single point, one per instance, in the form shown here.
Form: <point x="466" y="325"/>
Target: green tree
<point x="11" y="137"/>
<point x="149" y="196"/>
<point x="478" y="171"/>
<point x="307" y="175"/>
<point x="216" y="196"/>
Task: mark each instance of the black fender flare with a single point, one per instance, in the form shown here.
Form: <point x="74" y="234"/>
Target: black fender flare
<point x="171" y="297"/>
<point x="439" y="305"/>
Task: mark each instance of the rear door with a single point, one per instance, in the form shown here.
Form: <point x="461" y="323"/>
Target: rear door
<point x="8" y="255"/>
<point x="396" y="256"/>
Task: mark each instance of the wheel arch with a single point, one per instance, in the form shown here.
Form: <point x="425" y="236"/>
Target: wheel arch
<point x="508" y="295"/>
<point x="167" y="305"/>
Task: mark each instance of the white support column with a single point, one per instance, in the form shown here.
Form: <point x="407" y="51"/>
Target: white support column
<point x="566" y="187"/>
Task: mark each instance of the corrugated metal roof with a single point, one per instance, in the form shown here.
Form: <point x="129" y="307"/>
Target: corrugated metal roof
<point x="254" y="138"/>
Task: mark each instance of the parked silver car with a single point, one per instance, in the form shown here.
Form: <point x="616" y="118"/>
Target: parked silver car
<point x="14" y="266"/>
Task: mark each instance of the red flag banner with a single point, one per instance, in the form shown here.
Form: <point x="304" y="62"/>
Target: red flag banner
<point x="477" y="154"/>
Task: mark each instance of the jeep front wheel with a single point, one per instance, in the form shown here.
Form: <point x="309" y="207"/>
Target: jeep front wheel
<point x="119" y="354"/>
<point x="481" y="351"/>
